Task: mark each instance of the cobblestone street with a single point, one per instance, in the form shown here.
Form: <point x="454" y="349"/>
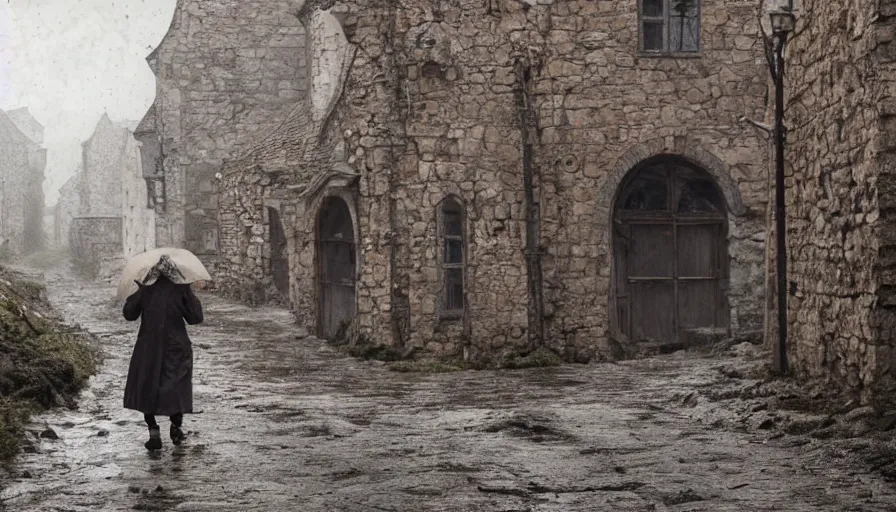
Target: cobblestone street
<point x="288" y="423"/>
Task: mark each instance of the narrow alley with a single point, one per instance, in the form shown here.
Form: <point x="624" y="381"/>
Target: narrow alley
<point x="288" y="423"/>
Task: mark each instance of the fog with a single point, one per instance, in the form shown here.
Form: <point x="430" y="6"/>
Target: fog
<point x="69" y="61"/>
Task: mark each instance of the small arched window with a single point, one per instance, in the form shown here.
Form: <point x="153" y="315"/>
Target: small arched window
<point x="453" y="247"/>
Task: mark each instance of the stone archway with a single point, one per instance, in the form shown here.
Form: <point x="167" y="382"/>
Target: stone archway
<point x="336" y="269"/>
<point x="670" y="251"/>
<point x="683" y="147"/>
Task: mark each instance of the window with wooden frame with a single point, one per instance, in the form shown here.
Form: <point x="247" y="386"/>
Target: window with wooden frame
<point x="453" y="246"/>
<point x="669" y="26"/>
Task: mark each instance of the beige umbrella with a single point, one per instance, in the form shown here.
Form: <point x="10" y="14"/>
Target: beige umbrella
<point x="178" y="265"/>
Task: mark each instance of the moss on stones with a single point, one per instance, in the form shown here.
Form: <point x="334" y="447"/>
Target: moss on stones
<point x="43" y="363"/>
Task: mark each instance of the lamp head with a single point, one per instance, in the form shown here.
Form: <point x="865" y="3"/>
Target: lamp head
<point x="783" y="21"/>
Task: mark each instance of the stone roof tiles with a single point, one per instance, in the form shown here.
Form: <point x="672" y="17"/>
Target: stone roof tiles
<point x="290" y="146"/>
<point x="148" y="123"/>
<point x="10" y="133"/>
<point x="27" y="124"/>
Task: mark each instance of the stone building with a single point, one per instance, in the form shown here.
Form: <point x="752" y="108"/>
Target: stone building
<point x="226" y="72"/>
<point x="842" y="195"/>
<point x="27" y="124"/>
<point x="483" y="178"/>
<point x="112" y="201"/>
<point x="138" y="219"/>
<point x="102" y="155"/>
<point x="68" y="207"/>
<point x="21" y="183"/>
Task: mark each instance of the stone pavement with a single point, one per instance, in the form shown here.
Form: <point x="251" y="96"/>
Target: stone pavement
<point x="287" y="423"/>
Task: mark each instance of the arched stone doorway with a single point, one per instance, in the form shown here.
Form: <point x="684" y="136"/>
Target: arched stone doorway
<point x="279" y="260"/>
<point x="670" y="251"/>
<point x="336" y="267"/>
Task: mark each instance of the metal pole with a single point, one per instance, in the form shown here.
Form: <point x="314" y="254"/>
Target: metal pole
<point x="780" y="361"/>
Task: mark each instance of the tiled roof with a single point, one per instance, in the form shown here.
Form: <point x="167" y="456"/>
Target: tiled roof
<point x="292" y="146"/>
<point x="10" y="133"/>
<point x="148" y="123"/>
<point x="27" y="124"/>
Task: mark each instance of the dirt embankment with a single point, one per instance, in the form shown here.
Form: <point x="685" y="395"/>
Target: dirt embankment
<point x="43" y="363"/>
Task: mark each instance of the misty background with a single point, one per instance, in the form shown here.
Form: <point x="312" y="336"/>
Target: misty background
<point x="70" y="61"/>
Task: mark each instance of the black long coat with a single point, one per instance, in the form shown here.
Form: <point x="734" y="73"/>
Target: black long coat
<point x="160" y="376"/>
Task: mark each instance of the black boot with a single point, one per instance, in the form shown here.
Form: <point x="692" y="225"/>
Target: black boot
<point x="155" y="439"/>
<point x="177" y="434"/>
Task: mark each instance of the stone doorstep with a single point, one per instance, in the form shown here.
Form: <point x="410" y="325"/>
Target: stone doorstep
<point x="701" y="337"/>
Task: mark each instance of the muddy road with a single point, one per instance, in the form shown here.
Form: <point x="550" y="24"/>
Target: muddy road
<point x="286" y="423"/>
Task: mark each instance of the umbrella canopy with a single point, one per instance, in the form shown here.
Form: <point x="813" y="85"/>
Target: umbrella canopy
<point x="179" y="265"/>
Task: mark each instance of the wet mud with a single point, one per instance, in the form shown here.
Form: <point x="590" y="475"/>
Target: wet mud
<point x="285" y="422"/>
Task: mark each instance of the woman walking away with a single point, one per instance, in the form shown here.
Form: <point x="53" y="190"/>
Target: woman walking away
<point x="161" y="370"/>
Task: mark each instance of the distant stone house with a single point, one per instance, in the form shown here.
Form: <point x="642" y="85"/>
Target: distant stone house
<point x="102" y="153"/>
<point x="138" y="218"/>
<point x="68" y="207"/>
<point x="27" y="124"/>
<point x="491" y="178"/>
<point x="21" y="183"/>
<point x="110" y="191"/>
<point x="226" y="72"/>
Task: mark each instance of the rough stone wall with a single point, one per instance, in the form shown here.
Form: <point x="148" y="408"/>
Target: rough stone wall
<point x="21" y="192"/>
<point x="597" y="100"/>
<point x="626" y="108"/>
<point x="840" y="223"/>
<point x="883" y="389"/>
<point x="244" y="270"/>
<point x="441" y="100"/>
<point x="96" y="245"/>
<point x="306" y="160"/>
<point x="227" y="72"/>
<point x="279" y="172"/>
<point x="101" y="177"/>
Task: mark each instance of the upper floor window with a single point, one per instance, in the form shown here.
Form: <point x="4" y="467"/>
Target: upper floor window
<point x="451" y="221"/>
<point x="670" y="26"/>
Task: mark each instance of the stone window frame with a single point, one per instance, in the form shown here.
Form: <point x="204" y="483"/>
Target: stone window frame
<point x="445" y="312"/>
<point x="666" y="21"/>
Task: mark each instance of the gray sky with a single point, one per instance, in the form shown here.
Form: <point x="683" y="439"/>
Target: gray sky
<point x="69" y="61"/>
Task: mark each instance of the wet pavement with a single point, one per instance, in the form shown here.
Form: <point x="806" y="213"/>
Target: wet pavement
<point x="286" y="423"/>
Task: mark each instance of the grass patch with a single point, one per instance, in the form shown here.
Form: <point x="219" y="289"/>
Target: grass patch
<point x="371" y="352"/>
<point x="13" y="415"/>
<point x="43" y="363"/>
<point x="540" y="358"/>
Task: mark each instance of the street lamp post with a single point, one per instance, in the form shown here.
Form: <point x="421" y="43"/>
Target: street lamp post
<point x="782" y="22"/>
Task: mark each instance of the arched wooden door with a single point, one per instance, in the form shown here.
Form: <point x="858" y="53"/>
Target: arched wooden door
<point x="670" y="252"/>
<point x="336" y="267"/>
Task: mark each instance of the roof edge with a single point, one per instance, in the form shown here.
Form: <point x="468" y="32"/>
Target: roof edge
<point x="178" y="8"/>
